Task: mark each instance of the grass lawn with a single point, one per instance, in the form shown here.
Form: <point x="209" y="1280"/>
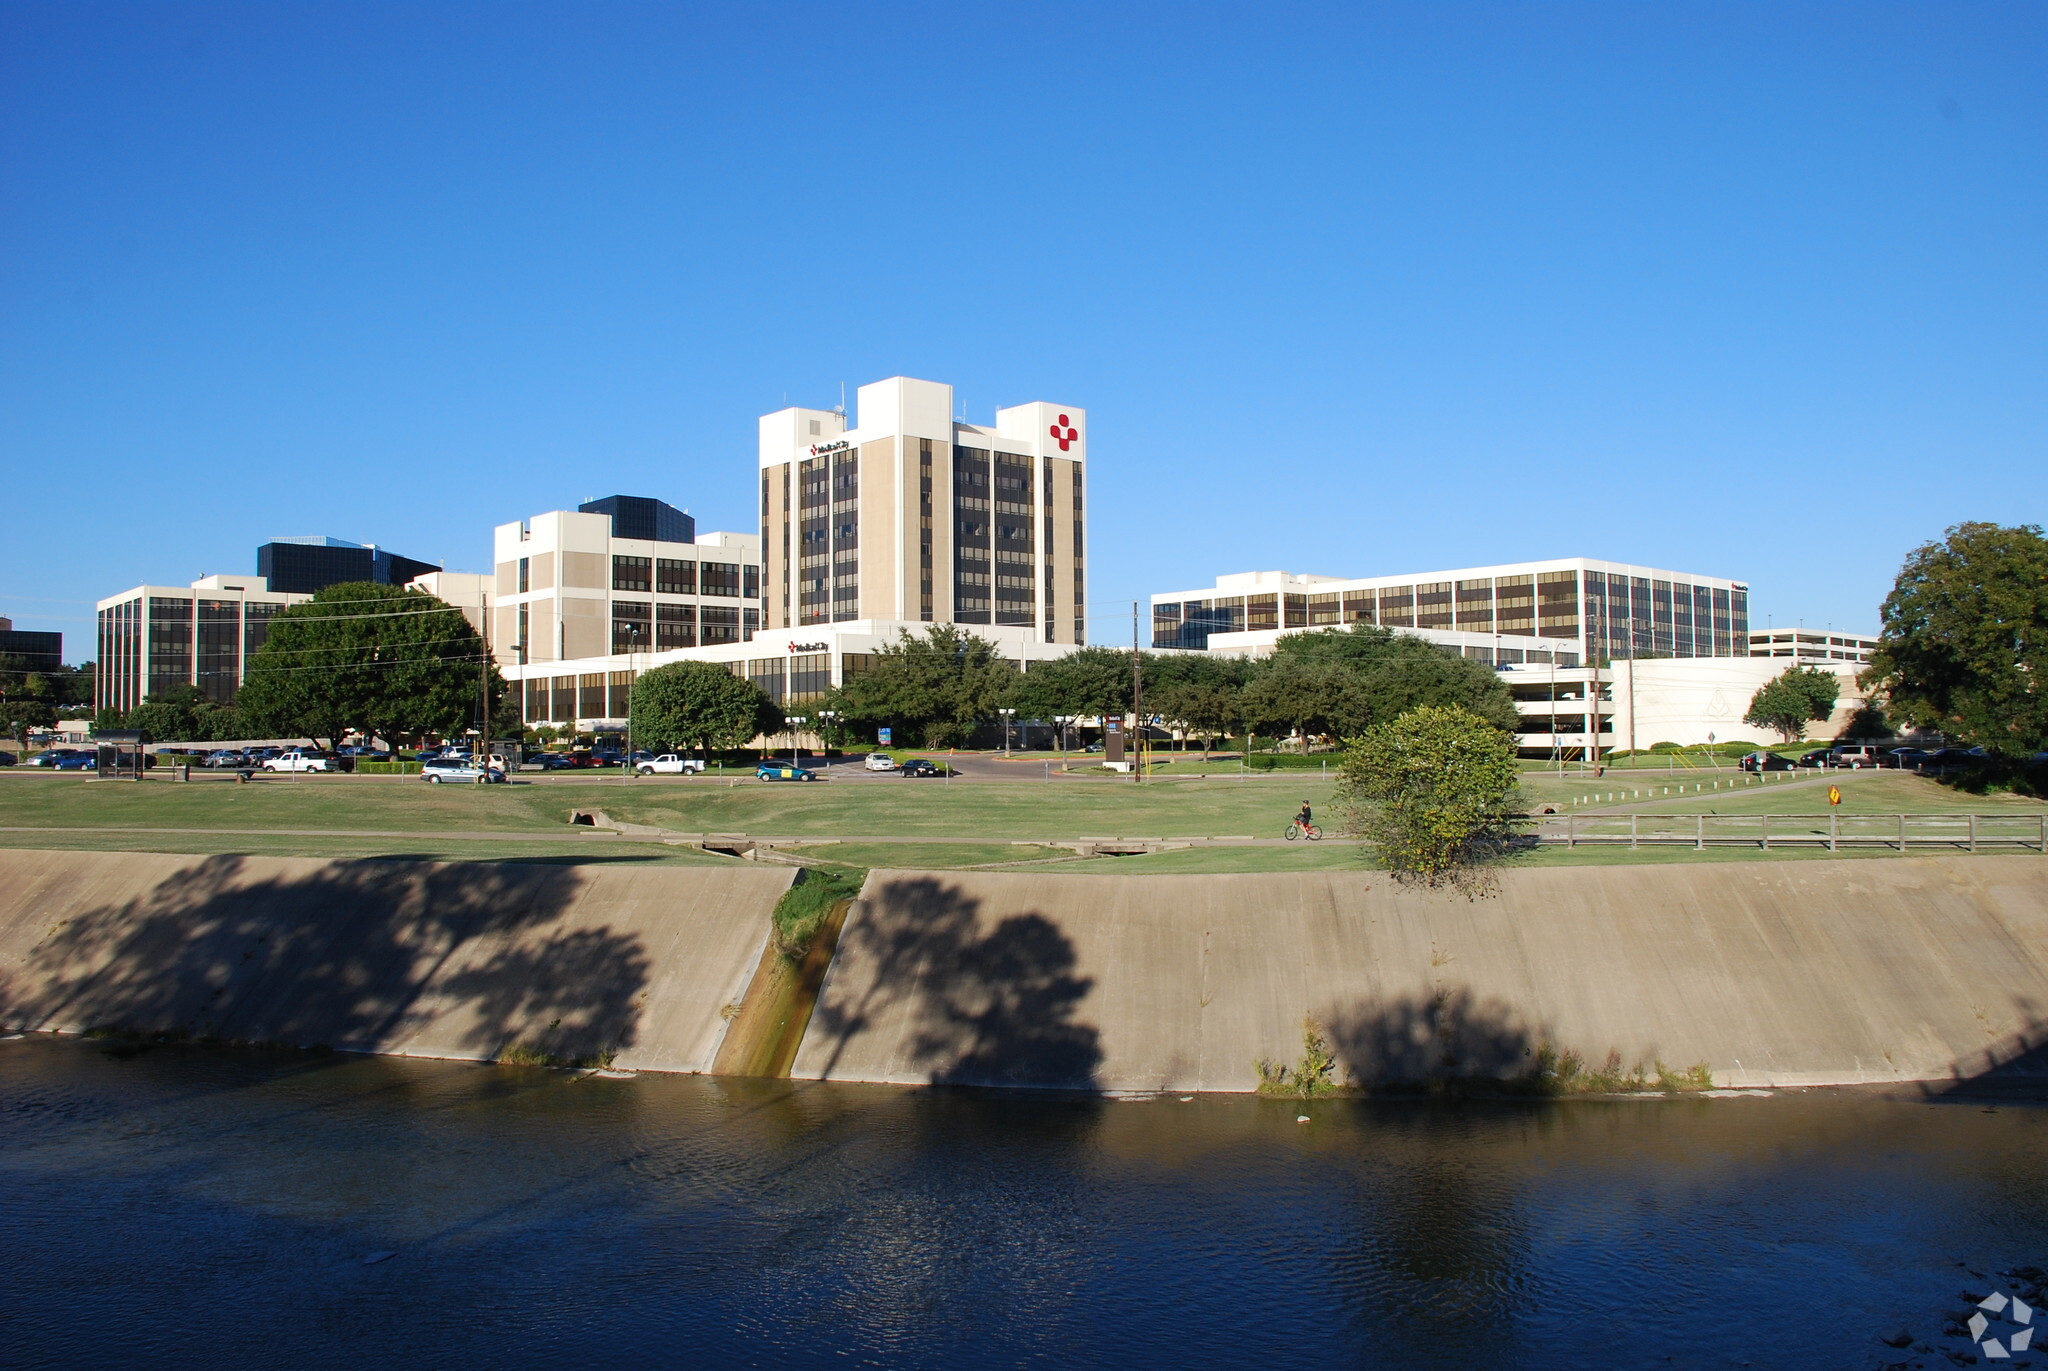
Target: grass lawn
<point x="924" y="856"/>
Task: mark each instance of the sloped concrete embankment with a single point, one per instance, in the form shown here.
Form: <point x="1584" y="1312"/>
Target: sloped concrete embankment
<point x="1813" y="972"/>
<point x="632" y="961"/>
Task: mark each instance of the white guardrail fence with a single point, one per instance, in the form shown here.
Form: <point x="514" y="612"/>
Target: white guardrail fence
<point x="1954" y="832"/>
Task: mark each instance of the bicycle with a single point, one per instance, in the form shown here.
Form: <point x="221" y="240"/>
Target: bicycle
<point x="1302" y="830"/>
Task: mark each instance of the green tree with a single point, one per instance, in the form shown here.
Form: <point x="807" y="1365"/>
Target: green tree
<point x="19" y="716"/>
<point x="938" y="687"/>
<point x="1787" y="703"/>
<point x="699" y="705"/>
<point x="1399" y="671"/>
<point x="1295" y="693"/>
<point x="390" y="663"/>
<point x="1088" y="681"/>
<point x="1432" y="791"/>
<point x="1964" y="646"/>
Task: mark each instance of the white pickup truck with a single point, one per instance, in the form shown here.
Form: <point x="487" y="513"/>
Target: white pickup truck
<point x="669" y="764"/>
<point x="294" y="759"/>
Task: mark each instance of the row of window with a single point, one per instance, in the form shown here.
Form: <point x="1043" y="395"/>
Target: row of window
<point x="672" y="576"/>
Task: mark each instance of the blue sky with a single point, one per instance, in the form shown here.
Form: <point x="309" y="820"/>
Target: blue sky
<point x="1749" y="290"/>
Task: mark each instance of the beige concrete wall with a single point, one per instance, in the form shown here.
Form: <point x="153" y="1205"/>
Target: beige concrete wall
<point x="1805" y="972"/>
<point x="414" y="958"/>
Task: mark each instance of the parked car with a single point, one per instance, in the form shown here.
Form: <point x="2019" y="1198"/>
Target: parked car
<point x="782" y="771"/>
<point x="1908" y="758"/>
<point x="8" y="759"/>
<point x="439" y="769"/>
<point x="1953" y="757"/>
<point x="54" y="756"/>
<point x="1820" y="756"/>
<point x="918" y="767"/>
<point x="669" y="764"/>
<point x="298" y="759"/>
<point x="1856" y="756"/>
<point x="879" y="761"/>
<point x="78" y="761"/>
<point x="552" y="761"/>
<point x="222" y="759"/>
<point x="1764" y="761"/>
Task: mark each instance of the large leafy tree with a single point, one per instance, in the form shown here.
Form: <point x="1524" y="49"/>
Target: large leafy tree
<point x="390" y="663"/>
<point x="938" y="687"/>
<point x="1789" y="702"/>
<point x="1964" y="646"/>
<point x="1299" y="694"/>
<point x="699" y="705"/>
<point x="1398" y="672"/>
<point x="1088" y="681"/>
<point x="1432" y="791"/>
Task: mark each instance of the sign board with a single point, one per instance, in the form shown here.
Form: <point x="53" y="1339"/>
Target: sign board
<point x="1112" y="739"/>
<point x="883" y="735"/>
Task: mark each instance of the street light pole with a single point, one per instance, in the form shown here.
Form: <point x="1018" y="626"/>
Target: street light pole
<point x="796" y="722"/>
<point x="1007" y="714"/>
<point x="828" y="718"/>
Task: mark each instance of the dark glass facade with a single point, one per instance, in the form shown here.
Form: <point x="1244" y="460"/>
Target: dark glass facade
<point x="302" y="568"/>
<point x="642" y="517"/>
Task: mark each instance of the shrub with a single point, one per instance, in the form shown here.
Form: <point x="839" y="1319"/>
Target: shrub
<point x="801" y="911"/>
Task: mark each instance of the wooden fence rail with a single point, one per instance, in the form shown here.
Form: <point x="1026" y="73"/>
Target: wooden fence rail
<point x="1955" y="832"/>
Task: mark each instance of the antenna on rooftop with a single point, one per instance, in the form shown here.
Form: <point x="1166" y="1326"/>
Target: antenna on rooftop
<point x="841" y="409"/>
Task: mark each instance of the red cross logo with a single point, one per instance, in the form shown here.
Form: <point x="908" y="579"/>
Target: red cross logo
<point x="1063" y="433"/>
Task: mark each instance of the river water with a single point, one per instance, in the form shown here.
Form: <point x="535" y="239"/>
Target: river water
<point x="188" y="1206"/>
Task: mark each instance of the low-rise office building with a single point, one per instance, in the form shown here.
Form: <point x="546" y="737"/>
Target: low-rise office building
<point x="582" y="585"/>
<point x="792" y="666"/>
<point x="1598" y="611"/>
<point x="153" y="638"/>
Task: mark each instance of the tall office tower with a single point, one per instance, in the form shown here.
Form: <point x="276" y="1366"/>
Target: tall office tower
<point x="912" y="516"/>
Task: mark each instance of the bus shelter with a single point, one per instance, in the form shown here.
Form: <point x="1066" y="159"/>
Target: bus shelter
<point x="121" y="753"/>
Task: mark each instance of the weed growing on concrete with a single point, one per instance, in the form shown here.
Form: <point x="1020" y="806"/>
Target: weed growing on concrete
<point x="1566" y="1073"/>
<point x="1308" y="1078"/>
<point x="802" y="909"/>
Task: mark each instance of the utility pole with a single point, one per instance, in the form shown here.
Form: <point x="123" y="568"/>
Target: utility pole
<point x="483" y="688"/>
<point x="1137" y="701"/>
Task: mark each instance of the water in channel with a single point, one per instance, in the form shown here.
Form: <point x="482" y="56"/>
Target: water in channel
<point x="204" y="1207"/>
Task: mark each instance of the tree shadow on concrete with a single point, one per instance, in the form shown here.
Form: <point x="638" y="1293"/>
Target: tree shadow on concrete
<point x="988" y="1006"/>
<point x="1426" y="1041"/>
<point x="359" y="954"/>
<point x="2016" y="1067"/>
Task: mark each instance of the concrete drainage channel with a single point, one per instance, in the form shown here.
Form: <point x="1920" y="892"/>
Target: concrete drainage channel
<point x="769" y="850"/>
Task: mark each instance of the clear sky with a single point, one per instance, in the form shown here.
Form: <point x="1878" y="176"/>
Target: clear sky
<point x="1753" y="290"/>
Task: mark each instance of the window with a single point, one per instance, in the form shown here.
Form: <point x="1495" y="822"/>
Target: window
<point x="1262" y="612"/>
<point x="769" y="676"/>
<point x="633" y="573"/>
<point x="621" y="693"/>
<point x="525" y="574"/>
<point x="675" y="626"/>
<point x="170" y="643"/>
<point x="810" y="676"/>
<point x="589" y="695"/>
<point x="220" y="632"/>
<point x="1324" y="609"/>
<point x="721" y="578"/>
<point x="1397" y="606"/>
<point x="674" y="577"/>
<point x="632" y="626"/>
<point x="719" y="625"/>
<point x="750" y="583"/>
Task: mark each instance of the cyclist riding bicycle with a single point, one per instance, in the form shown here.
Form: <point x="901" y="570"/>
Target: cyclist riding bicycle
<point x="1303" y="817"/>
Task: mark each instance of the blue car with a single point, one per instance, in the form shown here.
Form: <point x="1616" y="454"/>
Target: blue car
<point x="782" y="771"/>
<point x="78" y="761"/>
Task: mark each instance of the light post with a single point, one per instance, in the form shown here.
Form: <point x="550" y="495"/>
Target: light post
<point x="796" y="721"/>
<point x="1007" y="714"/>
<point x="632" y="684"/>
<point x="1062" y="721"/>
<point x="827" y="718"/>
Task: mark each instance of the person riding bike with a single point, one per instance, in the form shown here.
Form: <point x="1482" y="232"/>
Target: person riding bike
<point x="1303" y="817"/>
